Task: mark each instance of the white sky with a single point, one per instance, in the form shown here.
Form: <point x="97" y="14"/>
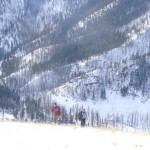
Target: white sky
<point x="30" y="136"/>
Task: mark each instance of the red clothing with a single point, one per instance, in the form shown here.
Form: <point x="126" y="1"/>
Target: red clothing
<point x="56" y="110"/>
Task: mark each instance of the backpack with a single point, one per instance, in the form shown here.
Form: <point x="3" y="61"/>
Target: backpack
<point x="84" y="115"/>
<point x="80" y="116"/>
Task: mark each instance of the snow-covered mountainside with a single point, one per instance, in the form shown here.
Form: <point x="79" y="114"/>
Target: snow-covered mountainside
<point x="94" y="54"/>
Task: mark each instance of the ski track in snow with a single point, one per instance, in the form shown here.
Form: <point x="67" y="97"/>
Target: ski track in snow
<point x="30" y="136"/>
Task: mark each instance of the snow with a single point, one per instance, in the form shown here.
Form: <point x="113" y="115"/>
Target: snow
<point x="81" y="24"/>
<point x="6" y="116"/>
<point x="0" y="68"/>
<point x="36" y="56"/>
<point x="32" y="136"/>
<point x="115" y="104"/>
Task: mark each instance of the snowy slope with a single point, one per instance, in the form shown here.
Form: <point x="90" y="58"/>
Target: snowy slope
<point x="107" y="65"/>
<point x="26" y="136"/>
<point x="80" y="84"/>
<point x="115" y="79"/>
<point x="81" y="26"/>
<point x="137" y="26"/>
<point x="21" y="20"/>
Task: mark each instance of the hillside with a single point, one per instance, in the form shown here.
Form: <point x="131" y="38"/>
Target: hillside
<point x="92" y="54"/>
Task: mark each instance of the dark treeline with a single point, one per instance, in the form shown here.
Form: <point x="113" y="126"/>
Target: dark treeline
<point x="139" y="78"/>
<point x="38" y="111"/>
<point x="9" y="101"/>
<point x="29" y="109"/>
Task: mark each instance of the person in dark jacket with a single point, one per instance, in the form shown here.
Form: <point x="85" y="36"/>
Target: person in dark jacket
<point x="82" y="117"/>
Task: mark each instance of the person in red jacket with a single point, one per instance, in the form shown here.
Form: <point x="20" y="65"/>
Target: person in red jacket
<point x="56" y="112"/>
